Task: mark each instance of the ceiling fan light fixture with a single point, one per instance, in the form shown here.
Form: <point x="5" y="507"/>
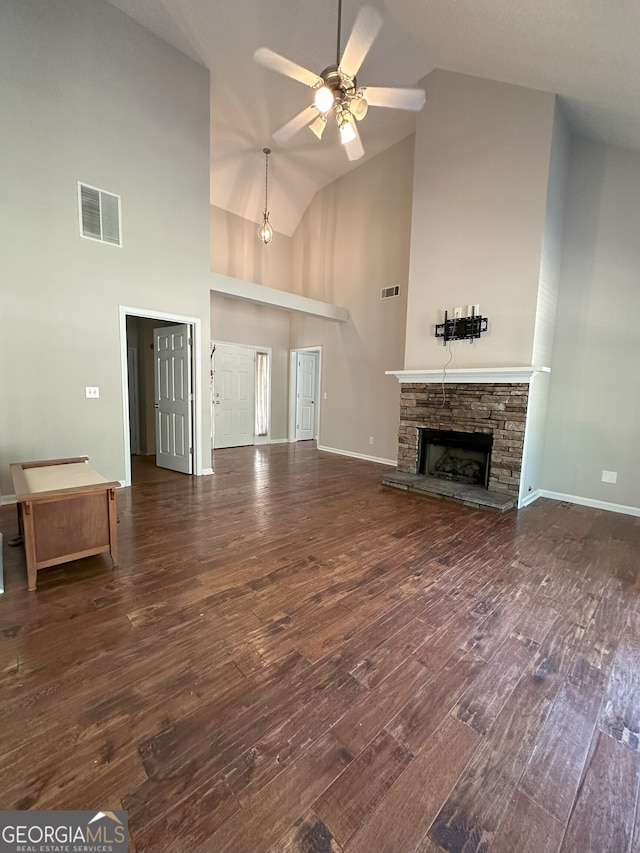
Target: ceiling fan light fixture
<point x="318" y="126"/>
<point x="265" y="231"/>
<point x="346" y="126"/>
<point x="359" y="106"/>
<point x="323" y="99"/>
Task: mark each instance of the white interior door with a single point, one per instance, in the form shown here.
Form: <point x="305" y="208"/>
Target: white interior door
<point x="233" y="396"/>
<point x="306" y="385"/>
<point x="173" y="398"/>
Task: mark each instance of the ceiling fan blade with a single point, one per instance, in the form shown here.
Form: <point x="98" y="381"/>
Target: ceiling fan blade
<point x="281" y="65"/>
<point x="284" y="133"/>
<point x="363" y="35"/>
<point x="354" y="148"/>
<point x="318" y="126"/>
<point x="395" y="99"/>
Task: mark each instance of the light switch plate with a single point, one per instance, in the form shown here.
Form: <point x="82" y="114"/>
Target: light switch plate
<point x="92" y="392"/>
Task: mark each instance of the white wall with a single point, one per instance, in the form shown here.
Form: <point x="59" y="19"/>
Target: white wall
<point x="479" y="196"/>
<point x="88" y="95"/>
<point x="594" y="405"/>
<point x="352" y="241"/>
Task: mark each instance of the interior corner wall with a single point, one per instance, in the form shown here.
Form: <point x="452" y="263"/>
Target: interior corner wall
<point x="89" y="95"/>
<point x="481" y="167"/>
<point x="235" y="321"/>
<point x="594" y="398"/>
<point x="237" y="252"/>
<point x="552" y="243"/>
<point x="352" y="241"/>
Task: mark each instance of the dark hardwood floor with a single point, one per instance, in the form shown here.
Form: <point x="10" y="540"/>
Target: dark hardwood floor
<point x="292" y="657"/>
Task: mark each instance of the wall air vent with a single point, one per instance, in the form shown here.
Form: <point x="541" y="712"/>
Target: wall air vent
<point x="388" y="292"/>
<point x="100" y="217"/>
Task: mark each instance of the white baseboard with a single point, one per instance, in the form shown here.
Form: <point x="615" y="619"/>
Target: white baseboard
<point x="379" y="460"/>
<point x="605" y="505"/>
<point x="530" y="498"/>
<point x="205" y="472"/>
<point x="5" y="500"/>
<point x="279" y="441"/>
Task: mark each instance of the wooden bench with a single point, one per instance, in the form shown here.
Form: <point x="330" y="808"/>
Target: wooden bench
<point x="66" y="511"/>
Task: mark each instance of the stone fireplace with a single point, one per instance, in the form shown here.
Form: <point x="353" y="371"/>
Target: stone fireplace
<point x="493" y="409"/>
<point x="477" y="419"/>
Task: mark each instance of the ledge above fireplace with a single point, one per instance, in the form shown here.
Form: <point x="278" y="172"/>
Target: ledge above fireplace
<point x="498" y="375"/>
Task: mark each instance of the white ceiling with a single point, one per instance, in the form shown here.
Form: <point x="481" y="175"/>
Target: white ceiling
<point x="586" y="51"/>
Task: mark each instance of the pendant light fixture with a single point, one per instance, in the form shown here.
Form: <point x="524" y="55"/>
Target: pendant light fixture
<point x="265" y="231"/>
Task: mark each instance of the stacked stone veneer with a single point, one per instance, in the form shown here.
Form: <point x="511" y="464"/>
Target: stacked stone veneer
<point x="496" y="408"/>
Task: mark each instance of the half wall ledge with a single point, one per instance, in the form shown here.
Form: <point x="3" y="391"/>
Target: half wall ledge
<point x="274" y="298"/>
<point x="468" y="374"/>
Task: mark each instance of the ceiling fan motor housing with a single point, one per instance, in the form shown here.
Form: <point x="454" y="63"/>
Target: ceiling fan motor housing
<point x="339" y="84"/>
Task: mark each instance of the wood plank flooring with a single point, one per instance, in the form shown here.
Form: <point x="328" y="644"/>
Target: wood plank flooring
<point x="293" y="657"/>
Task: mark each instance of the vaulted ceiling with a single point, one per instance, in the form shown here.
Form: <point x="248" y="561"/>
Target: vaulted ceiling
<point x="586" y="51"/>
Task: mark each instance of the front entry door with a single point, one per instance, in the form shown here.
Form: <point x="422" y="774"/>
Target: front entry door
<point x="306" y="395"/>
<point x="173" y="398"/>
<point x="233" y="396"/>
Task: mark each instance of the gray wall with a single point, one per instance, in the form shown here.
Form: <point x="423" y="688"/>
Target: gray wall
<point x="236" y="322"/>
<point x="88" y="95"/>
<point x="479" y="201"/>
<point x="593" y="421"/>
<point x="552" y="242"/>
<point x="352" y="241"/>
<point x="237" y="252"/>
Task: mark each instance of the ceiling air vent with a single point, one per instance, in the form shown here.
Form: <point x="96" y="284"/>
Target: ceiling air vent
<point x="99" y="215"/>
<point x="388" y="292"/>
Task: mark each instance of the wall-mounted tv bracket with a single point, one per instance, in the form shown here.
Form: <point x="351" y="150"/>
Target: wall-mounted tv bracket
<point x="461" y="328"/>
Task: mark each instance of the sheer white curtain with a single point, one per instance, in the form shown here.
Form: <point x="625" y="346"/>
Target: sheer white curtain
<point x="262" y="391"/>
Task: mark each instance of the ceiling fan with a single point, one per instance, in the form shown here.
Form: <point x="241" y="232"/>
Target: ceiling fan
<point x="337" y="90"/>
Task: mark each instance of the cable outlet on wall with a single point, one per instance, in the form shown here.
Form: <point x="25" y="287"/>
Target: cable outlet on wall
<point x="609" y="476"/>
<point x="92" y="392"/>
<point x="370" y="439"/>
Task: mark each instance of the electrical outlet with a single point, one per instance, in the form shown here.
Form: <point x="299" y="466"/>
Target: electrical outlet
<point x="457" y="313"/>
<point x="609" y="476"/>
<point x="473" y="309"/>
<point x="92" y="392"/>
<point x="370" y="439"/>
<point x="324" y="396"/>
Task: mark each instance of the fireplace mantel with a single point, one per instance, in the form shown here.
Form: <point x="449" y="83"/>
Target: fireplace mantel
<point x="469" y="374"/>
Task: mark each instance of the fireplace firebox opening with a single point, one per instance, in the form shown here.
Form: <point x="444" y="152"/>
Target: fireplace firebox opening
<point x="463" y="457"/>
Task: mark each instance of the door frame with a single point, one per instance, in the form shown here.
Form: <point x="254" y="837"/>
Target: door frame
<point x="257" y="439"/>
<point x="134" y="398"/>
<point x="196" y="366"/>
<point x="293" y="390"/>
